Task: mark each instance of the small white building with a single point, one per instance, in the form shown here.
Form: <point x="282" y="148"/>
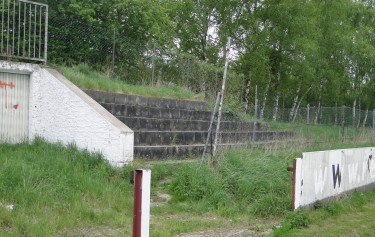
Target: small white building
<point x="38" y="101"/>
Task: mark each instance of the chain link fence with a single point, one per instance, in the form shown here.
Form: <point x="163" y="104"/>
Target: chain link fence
<point x="135" y="61"/>
<point x="337" y="116"/>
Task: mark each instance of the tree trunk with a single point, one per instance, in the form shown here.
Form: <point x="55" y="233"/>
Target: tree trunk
<point x="365" y="119"/>
<point x="265" y="95"/>
<point x="275" y="107"/>
<point x="336" y="114"/>
<point x="353" y="111"/>
<point x="295" y="101"/>
<point x="276" y="98"/>
<point x="359" y="113"/>
<point x="247" y="94"/>
<point x="299" y="103"/>
<point x="317" y="112"/>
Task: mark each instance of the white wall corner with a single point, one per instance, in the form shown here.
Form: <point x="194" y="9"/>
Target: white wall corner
<point x="95" y="129"/>
<point x="60" y="112"/>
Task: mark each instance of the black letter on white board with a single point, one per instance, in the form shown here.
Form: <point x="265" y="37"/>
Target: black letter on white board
<point x="336" y="175"/>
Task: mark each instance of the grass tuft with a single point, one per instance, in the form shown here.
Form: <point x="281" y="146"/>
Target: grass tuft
<point x="53" y="188"/>
<point x="86" y="78"/>
<point x="242" y="181"/>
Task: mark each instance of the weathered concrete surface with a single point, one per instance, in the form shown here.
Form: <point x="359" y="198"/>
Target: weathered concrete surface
<point x="149" y="138"/>
<point x="152" y="124"/>
<point x="167" y="152"/>
<point x="162" y="113"/>
<point x="61" y="112"/>
<point x="324" y="175"/>
<point x="166" y="128"/>
<point x="119" y="98"/>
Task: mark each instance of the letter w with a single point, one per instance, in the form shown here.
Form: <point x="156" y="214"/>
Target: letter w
<point x="336" y="175"/>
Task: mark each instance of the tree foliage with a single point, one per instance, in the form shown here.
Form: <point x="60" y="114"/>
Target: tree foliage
<point x="316" y="52"/>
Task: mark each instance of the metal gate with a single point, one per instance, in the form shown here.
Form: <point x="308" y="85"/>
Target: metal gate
<point x="14" y="107"/>
<point x="24" y="30"/>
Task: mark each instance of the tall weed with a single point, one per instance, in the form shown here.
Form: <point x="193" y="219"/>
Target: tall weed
<point x="248" y="182"/>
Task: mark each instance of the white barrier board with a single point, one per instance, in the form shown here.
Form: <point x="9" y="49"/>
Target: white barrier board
<point x="324" y="174"/>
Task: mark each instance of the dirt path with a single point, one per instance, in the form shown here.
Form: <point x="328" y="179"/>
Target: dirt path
<point x="256" y="229"/>
<point x="263" y="229"/>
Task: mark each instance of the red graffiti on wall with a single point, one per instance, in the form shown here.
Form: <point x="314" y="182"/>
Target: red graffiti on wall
<point x="5" y="86"/>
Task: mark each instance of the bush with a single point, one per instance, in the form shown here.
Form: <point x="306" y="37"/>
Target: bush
<point x="293" y="220"/>
<point x="248" y="181"/>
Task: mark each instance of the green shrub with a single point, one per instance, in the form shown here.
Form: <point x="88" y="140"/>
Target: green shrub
<point x="293" y="220"/>
<point x="247" y="181"/>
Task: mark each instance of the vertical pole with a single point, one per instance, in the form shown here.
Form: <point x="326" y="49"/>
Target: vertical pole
<point x="336" y="114"/>
<point x="24" y="29"/>
<point x="209" y="133"/>
<point x="40" y="31"/>
<point x="153" y="65"/>
<point x="146" y="193"/>
<point x="137" y="206"/>
<point x="46" y="37"/>
<point x="113" y="51"/>
<point x="222" y="94"/>
<point x="256" y="103"/>
<point x="308" y="114"/>
<point x="19" y="28"/>
<point x="35" y="15"/>
<point x="2" y="26"/>
<point x="343" y="124"/>
<point x="141" y="211"/>
<point x="13" y="25"/>
<point x="373" y="120"/>
<point x="293" y="169"/>
<point x="282" y="113"/>
<point x="255" y="113"/>
<point x="29" y="55"/>
<point x="8" y="34"/>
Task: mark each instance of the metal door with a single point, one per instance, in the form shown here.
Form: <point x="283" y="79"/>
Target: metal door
<point x="14" y="107"/>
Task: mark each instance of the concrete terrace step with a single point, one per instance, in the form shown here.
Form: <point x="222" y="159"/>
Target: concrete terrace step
<point x="155" y="138"/>
<point x="166" y="152"/>
<point x="193" y="151"/>
<point x="154" y="124"/>
<point x="168" y="128"/>
<point x="167" y="113"/>
<point x="118" y="98"/>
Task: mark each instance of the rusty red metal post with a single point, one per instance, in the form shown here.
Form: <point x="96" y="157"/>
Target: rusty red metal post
<point x="293" y="169"/>
<point x="137" y="209"/>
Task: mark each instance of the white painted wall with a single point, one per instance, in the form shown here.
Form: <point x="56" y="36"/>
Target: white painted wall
<point x="61" y="112"/>
<point x="146" y="205"/>
<point x="324" y="174"/>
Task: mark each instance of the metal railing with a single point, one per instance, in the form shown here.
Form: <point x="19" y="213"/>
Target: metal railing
<point x="24" y="30"/>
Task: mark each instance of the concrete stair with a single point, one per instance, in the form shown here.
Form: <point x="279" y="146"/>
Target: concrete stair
<point x="165" y="128"/>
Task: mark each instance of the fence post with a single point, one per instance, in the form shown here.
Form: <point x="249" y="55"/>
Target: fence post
<point x="343" y="124"/>
<point x="336" y="114"/>
<point x="141" y="208"/>
<point x="153" y="65"/>
<point x="46" y="37"/>
<point x="308" y="114"/>
<point x="227" y="49"/>
<point x="209" y="133"/>
<point x="255" y="113"/>
<point x="113" y="51"/>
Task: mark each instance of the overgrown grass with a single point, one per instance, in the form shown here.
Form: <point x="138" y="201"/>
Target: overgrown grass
<point x="86" y="78"/>
<point x="248" y="182"/>
<point x="351" y="216"/>
<point x="56" y="190"/>
<point x="328" y="136"/>
<point x="60" y="191"/>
